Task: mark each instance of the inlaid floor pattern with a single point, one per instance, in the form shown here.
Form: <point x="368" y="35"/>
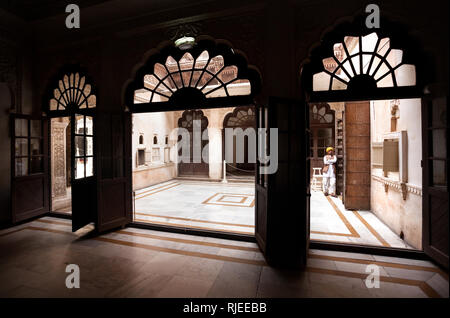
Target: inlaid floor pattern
<point x="142" y="263"/>
<point x="231" y="208"/>
<point x="200" y="205"/>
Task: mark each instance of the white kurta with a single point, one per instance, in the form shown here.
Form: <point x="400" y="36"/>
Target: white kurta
<point x="329" y="177"/>
<point x="330" y="163"/>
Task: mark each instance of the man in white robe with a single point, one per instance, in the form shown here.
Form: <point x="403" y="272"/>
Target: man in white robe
<point x="329" y="172"/>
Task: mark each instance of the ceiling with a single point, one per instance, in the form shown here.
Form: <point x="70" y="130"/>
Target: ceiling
<point x="31" y="10"/>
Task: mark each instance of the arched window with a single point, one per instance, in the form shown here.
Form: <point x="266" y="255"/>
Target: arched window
<point x="205" y="73"/>
<point x="72" y="92"/>
<point x="365" y="57"/>
<point x="141" y="139"/>
<point x="155" y="139"/>
<point x="208" y="74"/>
<point x="321" y="114"/>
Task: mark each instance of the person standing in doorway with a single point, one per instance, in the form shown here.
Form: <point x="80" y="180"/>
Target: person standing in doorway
<point x="329" y="172"/>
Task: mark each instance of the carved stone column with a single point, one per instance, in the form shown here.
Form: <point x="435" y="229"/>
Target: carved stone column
<point x="58" y="159"/>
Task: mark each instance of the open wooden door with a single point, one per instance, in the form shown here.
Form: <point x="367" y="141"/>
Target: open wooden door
<point x="29" y="171"/>
<point x="435" y="178"/>
<point x="114" y="178"/>
<point x="84" y="188"/>
<point x="282" y="215"/>
<point x="261" y="185"/>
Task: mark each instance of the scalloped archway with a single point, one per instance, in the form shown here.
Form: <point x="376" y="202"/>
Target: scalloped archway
<point x="211" y="74"/>
<point x="352" y="62"/>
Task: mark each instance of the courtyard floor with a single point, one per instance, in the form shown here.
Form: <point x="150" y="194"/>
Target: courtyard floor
<point x="230" y="207"/>
<point x="331" y="222"/>
<point x="226" y="207"/>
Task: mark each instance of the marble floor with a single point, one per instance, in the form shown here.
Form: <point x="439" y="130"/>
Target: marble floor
<point x="143" y="263"/>
<point x="230" y="208"/>
<point x="331" y="222"/>
<point x="226" y="207"/>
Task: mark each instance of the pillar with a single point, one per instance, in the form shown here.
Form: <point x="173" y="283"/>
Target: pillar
<point x="215" y="125"/>
<point x="58" y="160"/>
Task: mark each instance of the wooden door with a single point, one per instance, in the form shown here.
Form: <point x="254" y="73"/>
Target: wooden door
<point x="84" y="183"/>
<point x="242" y="117"/>
<point x="261" y="184"/>
<point x="435" y="178"/>
<point x="114" y="180"/>
<point x="29" y="167"/>
<point x="282" y="228"/>
<point x="196" y="166"/>
<point x="357" y="155"/>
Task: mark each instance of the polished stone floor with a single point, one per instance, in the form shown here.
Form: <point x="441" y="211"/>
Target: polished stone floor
<point x="227" y="207"/>
<point x="230" y="208"/>
<point x="142" y="263"/>
<point x="331" y="222"/>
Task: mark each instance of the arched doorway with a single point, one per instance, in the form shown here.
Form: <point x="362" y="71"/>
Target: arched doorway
<point x="194" y="84"/>
<point x="377" y="84"/>
<point x="242" y="117"/>
<point x="71" y="105"/>
<point x="195" y="165"/>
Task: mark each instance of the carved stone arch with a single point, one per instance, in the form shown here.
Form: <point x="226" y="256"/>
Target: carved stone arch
<point x="187" y="119"/>
<point x="210" y="74"/>
<point x="243" y="117"/>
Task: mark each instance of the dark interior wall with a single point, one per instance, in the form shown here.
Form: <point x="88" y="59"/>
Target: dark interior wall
<point x="5" y="148"/>
<point x="15" y="95"/>
<point x="276" y="36"/>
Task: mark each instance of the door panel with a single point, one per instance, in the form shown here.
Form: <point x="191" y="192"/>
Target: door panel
<point x="435" y="178"/>
<point x="192" y="168"/>
<point x="29" y="167"/>
<point x="84" y="189"/>
<point x="357" y="155"/>
<point x="284" y="222"/>
<point x="261" y="200"/>
<point x="114" y="178"/>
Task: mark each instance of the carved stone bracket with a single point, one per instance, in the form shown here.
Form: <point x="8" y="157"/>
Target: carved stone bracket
<point x="186" y="29"/>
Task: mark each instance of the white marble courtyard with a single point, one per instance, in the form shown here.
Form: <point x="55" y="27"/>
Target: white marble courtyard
<point x="230" y="207"/>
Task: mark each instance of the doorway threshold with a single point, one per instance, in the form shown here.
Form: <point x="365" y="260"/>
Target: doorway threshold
<point x="175" y="229"/>
<point x="373" y="250"/>
<point x="60" y="215"/>
<point x="185" y="230"/>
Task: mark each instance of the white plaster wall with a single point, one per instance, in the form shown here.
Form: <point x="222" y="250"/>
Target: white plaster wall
<point x="162" y="124"/>
<point x="400" y="215"/>
<point x="149" y="125"/>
